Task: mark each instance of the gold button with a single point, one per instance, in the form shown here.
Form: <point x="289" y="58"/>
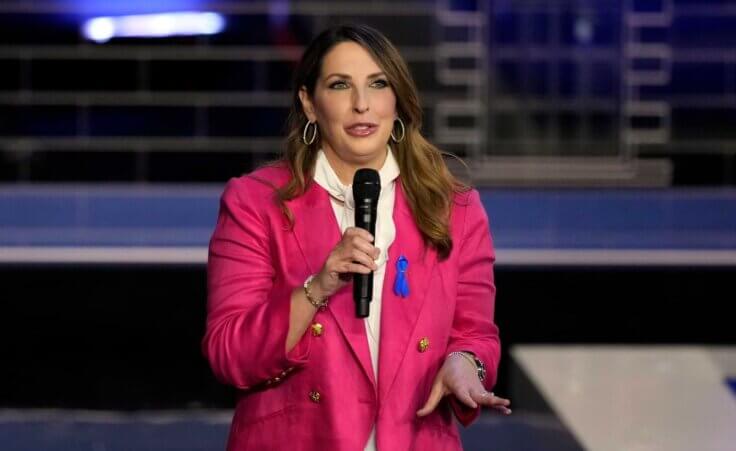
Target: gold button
<point x="273" y="380"/>
<point x="423" y="344"/>
<point x="317" y="329"/>
<point x="315" y="396"/>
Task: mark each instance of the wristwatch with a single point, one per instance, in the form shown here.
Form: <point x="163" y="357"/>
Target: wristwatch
<point x="481" y="368"/>
<point x="478" y="365"/>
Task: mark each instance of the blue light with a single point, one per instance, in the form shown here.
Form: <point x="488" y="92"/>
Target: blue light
<point x="100" y="8"/>
<point x="102" y="29"/>
<point x="584" y="30"/>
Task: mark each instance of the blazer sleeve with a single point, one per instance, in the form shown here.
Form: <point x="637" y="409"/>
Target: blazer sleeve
<point x="473" y="328"/>
<point x="247" y="316"/>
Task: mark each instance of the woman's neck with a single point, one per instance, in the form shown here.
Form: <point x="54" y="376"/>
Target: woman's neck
<point x="345" y="170"/>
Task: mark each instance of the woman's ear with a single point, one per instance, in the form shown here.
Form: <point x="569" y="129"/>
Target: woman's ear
<point x="307" y="106"/>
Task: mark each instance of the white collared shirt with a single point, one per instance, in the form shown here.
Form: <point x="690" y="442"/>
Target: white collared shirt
<point x="341" y="197"/>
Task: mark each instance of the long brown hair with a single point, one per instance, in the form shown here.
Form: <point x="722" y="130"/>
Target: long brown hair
<point x="425" y="179"/>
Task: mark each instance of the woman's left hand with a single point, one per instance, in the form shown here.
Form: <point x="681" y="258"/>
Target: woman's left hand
<point x="459" y="377"/>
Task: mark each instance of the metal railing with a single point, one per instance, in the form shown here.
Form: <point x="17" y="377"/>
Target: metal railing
<point x="523" y="90"/>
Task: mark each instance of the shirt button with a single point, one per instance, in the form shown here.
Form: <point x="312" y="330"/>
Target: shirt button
<point x="315" y="396"/>
<point x="317" y="329"/>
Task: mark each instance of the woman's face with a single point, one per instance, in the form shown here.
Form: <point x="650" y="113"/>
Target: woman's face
<point x="354" y="106"/>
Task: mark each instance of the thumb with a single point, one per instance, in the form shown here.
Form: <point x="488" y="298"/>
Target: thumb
<point x="435" y="396"/>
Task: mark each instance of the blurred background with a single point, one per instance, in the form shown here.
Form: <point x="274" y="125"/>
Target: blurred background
<point x="601" y="134"/>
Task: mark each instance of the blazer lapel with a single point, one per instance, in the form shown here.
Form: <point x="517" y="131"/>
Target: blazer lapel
<point x="399" y="315"/>
<point x="317" y="233"/>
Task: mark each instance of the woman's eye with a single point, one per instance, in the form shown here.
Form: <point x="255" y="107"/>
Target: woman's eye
<point x="339" y="85"/>
<point x="380" y="83"/>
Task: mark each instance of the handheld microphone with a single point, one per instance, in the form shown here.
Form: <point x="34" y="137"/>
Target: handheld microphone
<point x="366" y="189"/>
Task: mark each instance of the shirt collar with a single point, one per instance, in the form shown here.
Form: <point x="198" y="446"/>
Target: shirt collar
<point x="326" y="177"/>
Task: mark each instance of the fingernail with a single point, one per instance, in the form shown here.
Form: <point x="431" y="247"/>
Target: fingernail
<point x="508" y="411"/>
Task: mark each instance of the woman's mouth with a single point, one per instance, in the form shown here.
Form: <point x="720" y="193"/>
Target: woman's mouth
<point x="361" y="129"/>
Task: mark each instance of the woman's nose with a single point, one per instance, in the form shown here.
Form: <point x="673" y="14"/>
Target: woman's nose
<point x="360" y="101"/>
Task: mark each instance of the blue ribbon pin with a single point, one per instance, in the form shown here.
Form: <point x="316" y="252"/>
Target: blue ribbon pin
<point x="401" y="285"/>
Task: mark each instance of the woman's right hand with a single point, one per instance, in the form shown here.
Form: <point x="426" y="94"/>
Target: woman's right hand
<point x="354" y="253"/>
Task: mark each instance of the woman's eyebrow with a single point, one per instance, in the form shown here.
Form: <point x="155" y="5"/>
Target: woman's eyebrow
<point x="377" y="74"/>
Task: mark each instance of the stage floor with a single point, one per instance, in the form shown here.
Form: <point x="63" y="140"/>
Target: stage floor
<point x="598" y="398"/>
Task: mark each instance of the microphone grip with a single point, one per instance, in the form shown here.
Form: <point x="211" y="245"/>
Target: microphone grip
<point x="365" y="218"/>
<point x="362" y="293"/>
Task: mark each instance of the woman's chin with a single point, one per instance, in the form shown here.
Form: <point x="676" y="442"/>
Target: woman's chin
<point x="367" y="155"/>
<point x="363" y="151"/>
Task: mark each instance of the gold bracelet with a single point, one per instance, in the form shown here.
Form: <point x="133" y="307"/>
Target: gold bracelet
<point x="319" y="304"/>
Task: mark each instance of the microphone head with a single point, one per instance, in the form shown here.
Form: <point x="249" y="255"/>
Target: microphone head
<point x="366" y="184"/>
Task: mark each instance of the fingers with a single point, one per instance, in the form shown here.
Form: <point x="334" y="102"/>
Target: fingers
<point x="435" y="396"/>
<point x="489" y="399"/>
<point x="503" y="410"/>
<point x="354" y="254"/>
<point x="355" y="268"/>
<point x="357" y="247"/>
<point x="357" y="231"/>
<point x="363" y="241"/>
<point x="464" y="397"/>
<point x="358" y="256"/>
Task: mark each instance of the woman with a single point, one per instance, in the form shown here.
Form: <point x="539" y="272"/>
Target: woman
<point x="281" y="324"/>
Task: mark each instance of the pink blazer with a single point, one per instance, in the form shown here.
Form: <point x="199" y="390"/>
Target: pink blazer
<point x="322" y="395"/>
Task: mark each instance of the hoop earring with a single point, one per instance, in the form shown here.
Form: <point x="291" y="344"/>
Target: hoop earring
<point x="304" y="133"/>
<point x="403" y="131"/>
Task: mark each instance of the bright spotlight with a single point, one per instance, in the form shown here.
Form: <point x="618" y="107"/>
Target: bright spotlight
<point x="102" y="29"/>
